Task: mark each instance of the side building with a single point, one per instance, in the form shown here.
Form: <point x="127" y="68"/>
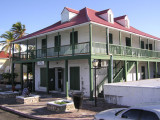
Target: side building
<point x="59" y="57"/>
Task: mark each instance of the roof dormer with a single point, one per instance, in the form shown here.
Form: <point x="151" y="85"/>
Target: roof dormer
<point x="106" y="15"/>
<point x="123" y="20"/>
<point x="67" y="14"/>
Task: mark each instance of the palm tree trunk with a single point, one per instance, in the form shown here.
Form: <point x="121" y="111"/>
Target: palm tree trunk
<point x="10" y="59"/>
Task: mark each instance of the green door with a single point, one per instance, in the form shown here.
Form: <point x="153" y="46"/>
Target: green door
<point x="43" y="77"/>
<point x="74" y="78"/>
<point x="51" y="77"/>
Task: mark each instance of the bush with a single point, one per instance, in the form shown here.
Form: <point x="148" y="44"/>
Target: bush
<point x="9" y="76"/>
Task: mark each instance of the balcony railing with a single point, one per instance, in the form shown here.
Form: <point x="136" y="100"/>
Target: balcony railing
<point x="79" y="49"/>
<point x="83" y="48"/>
<point x="100" y="48"/>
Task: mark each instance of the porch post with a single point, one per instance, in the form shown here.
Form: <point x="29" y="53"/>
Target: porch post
<point x="66" y="77"/>
<point x="154" y="45"/>
<point x="148" y="70"/>
<point x="72" y="41"/>
<point x="139" y="42"/>
<point x="91" y="78"/>
<point x="131" y="39"/>
<point x="120" y="38"/>
<point x="27" y="75"/>
<point x="27" y="49"/>
<point x="19" y="51"/>
<point x="33" y="73"/>
<point x="107" y="40"/>
<point x="125" y="70"/>
<point x="47" y="69"/>
<point x="46" y="47"/>
<point x="58" y="43"/>
<point x="148" y="43"/>
<point x="36" y="47"/>
<point x="110" y="76"/>
<point x="21" y="75"/>
<point x="136" y="70"/>
<point x="12" y="73"/>
<point x="156" y="74"/>
<point x="90" y="38"/>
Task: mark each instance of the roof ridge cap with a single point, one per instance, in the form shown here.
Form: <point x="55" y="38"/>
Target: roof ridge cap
<point x="87" y="14"/>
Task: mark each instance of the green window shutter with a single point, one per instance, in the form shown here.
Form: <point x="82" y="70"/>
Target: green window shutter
<point x="146" y="46"/>
<point x="44" y="43"/>
<point x="110" y="38"/>
<point x="74" y="78"/>
<point x="71" y="38"/>
<point x="76" y="37"/>
<point x="150" y="47"/>
<point x="128" y="41"/>
<point x="57" y="43"/>
<point x="142" y="44"/>
<point x="43" y="77"/>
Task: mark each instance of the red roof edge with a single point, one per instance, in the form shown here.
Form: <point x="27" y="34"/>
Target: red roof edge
<point x="72" y="10"/>
<point x="4" y="55"/>
<point x="120" y="17"/>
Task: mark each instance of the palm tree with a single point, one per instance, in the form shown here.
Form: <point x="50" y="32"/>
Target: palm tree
<point x="19" y="30"/>
<point x="10" y="37"/>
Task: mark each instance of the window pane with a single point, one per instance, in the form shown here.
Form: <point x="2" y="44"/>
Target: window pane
<point x="146" y="115"/>
<point x="132" y="114"/>
<point x="110" y="38"/>
<point x="128" y="41"/>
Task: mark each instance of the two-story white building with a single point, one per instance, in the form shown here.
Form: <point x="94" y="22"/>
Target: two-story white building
<point x="60" y="56"/>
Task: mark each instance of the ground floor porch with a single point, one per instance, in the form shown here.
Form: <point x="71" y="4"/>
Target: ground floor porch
<point x="66" y="76"/>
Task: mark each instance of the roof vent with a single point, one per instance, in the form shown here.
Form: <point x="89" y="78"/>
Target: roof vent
<point x="123" y="20"/>
<point x="67" y="14"/>
<point x="106" y="15"/>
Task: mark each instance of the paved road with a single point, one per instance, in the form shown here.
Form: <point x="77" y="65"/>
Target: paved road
<point x="10" y="116"/>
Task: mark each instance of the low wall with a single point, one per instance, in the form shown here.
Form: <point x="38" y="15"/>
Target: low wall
<point x="133" y="93"/>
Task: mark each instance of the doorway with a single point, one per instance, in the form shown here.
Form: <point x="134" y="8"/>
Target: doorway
<point x="143" y="72"/>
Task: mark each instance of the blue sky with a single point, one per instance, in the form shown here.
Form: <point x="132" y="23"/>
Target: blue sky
<point x="37" y="14"/>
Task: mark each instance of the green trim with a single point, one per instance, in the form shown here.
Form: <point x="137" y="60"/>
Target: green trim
<point x="66" y="77"/>
<point x="136" y="70"/>
<point x="33" y="73"/>
<point x="107" y="40"/>
<point x="21" y="75"/>
<point x="91" y="78"/>
<point x="148" y="66"/>
<point x="47" y="80"/>
<point x="125" y="70"/>
<point x="156" y="73"/>
<point x="120" y="38"/>
<point x="58" y="43"/>
<point x="90" y="38"/>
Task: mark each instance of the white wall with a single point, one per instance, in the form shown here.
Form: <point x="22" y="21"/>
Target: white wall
<point x="83" y="36"/>
<point x="84" y="74"/>
<point x="133" y="93"/>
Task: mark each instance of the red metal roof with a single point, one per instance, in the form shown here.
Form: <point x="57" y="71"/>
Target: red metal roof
<point x="4" y="55"/>
<point x="87" y="15"/>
